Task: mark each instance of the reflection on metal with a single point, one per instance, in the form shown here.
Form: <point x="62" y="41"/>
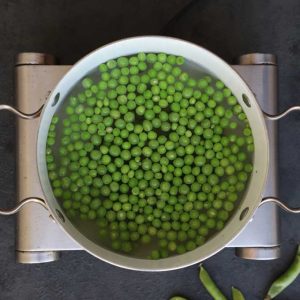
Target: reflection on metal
<point x="257" y="59"/>
<point x="258" y="253"/>
<point x="9" y="212"/>
<point x="37" y="257"/>
<point x="280" y="204"/>
<point x="282" y="115"/>
<point x="21" y="114"/>
<point x="33" y="58"/>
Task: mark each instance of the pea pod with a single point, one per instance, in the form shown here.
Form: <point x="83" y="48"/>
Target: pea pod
<point x="210" y="285"/>
<point x="286" y="278"/>
<point x="237" y="294"/>
<point x="178" y="298"/>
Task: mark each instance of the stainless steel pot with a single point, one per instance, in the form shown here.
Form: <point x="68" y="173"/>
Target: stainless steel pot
<point x="252" y="197"/>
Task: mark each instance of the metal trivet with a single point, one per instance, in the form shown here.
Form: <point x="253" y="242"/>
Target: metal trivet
<point x="40" y="239"/>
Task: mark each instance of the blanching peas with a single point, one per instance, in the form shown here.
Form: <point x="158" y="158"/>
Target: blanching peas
<point x="146" y="144"/>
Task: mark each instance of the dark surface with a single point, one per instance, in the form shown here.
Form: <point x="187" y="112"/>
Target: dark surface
<point x="70" y="29"/>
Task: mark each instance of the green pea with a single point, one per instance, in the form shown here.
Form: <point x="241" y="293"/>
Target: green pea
<point x="154" y="146"/>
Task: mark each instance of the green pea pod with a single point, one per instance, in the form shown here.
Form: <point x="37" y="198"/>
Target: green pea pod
<point x="286" y="278"/>
<point x="237" y="294"/>
<point x="209" y="285"/>
<point x="178" y="298"/>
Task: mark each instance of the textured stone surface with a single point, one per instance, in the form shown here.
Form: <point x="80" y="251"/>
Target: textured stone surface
<point x="70" y="29"/>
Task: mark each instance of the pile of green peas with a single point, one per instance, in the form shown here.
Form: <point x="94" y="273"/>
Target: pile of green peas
<point x="156" y="158"/>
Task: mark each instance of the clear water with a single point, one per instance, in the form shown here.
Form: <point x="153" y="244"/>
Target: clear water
<point x="90" y="227"/>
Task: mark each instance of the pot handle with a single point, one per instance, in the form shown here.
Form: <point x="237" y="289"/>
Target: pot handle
<point x="9" y="212"/>
<point x="40" y="201"/>
<point x="281" y="115"/>
<point x="280" y="204"/>
<point x="273" y="199"/>
<point x="21" y="114"/>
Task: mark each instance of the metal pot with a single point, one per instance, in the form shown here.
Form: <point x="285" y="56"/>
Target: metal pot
<point x="253" y="195"/>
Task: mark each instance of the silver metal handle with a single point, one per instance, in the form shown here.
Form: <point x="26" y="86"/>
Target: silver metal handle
<point x="21" y="114"/>
<point x="280" y="204"/>
<point x="281" y="115"/>
<point x="9" y="212"/>
<point x="273" y="199"/>
<point x="40" y="201"/>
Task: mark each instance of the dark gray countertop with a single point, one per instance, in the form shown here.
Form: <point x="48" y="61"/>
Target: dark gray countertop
<point x="70" y="29"/>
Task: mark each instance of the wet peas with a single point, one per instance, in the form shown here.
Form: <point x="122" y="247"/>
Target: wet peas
<point x="151" y="153"/>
